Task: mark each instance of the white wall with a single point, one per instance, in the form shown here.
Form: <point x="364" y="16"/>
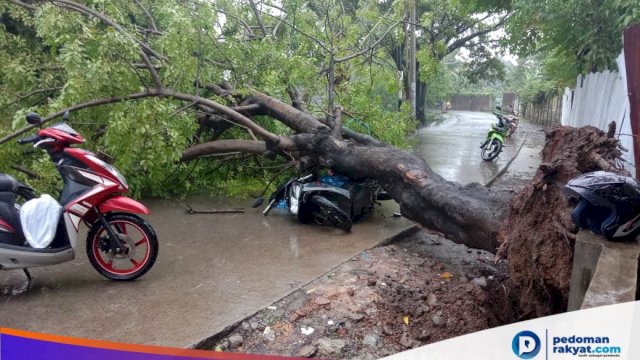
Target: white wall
<point x="598" y="99"/>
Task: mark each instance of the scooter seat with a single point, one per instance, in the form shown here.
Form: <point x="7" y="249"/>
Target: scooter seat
<point x="8" y="183"/>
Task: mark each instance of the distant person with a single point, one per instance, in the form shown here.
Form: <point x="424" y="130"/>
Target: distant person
<point x="446" y="106"/>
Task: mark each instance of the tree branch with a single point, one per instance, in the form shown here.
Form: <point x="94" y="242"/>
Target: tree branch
<point x="361" y="139"/>
<point x="274" y="32"/>
<point x="462" y="41"/>
<point x="337" y="123"/>
<point x="223" y="146"/>
<point x="104" y="18"/>
<point x="87" y="11"/>
<point x="463" y="28"/>
<point x="95" y="102"/>
<point x="233" y="115"/>
<point x="38" y="91"/>
<point x="23" y="4"/>
<point x="242" y="22"/>
<point x="31" y="174"/>
<point x="316" y="41"/>
<point x="290" y="116"/>
<point x="370" y="48"/>
<point x="281" y="9"/>
<point x="250" y="109"/>
<point x="294" y="95"/>
<point x="258" y="17"/>
<point x="146" y="12"/>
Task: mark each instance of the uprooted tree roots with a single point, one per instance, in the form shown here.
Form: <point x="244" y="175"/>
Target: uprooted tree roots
<point x="538" y="236"/>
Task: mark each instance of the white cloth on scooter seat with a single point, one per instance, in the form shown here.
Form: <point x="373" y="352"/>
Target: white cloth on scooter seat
<point x="39" y="219"/>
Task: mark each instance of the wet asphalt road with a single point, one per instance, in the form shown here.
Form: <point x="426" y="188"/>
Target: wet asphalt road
<point x="452" y="148"/>
<point x="214" y="270"/>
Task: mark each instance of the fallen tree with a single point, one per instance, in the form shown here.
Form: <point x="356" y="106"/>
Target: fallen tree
<point x="534" y="231"/>
<point x="467" y="214"/>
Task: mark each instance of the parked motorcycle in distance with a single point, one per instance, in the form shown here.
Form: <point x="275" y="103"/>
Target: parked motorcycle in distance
<point x="327" y="200"/>
<point x="512" y="120"/>
<point x="41" y="231"/>
<point x="492" y="146"/>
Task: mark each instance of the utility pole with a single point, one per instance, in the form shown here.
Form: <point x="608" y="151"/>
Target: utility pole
<point x="412" y="55"/>
<point x="631" y="42"/>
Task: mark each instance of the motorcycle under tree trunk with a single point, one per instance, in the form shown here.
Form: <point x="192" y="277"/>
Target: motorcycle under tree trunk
<point x="41" y="232"/>
<point x="326" y="200"/>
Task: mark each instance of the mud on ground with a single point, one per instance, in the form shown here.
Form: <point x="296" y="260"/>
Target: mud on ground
<point x="385" y="300"/>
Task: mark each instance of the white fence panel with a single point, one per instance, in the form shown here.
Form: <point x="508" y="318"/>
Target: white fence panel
<point x="598" y="99"/>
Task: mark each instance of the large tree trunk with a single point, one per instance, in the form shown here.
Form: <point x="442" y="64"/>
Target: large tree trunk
<point x="469" y="214"/>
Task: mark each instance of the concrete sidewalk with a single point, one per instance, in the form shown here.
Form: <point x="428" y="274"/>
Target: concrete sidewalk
<point x="604" y="272"/>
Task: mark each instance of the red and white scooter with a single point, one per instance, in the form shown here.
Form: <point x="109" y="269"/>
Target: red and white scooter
<point x="41" y="232"/>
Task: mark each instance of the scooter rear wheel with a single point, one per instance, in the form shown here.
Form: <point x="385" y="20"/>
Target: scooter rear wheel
<point x="331" y="214"/>
<point x="139" y="243"/>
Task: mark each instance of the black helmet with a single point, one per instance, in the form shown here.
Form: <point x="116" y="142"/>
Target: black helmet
<point x="608" y="204"/>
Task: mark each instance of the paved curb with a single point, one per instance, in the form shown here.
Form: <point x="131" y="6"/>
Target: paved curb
<point x="604" y="272"/>
<point x="506" y="166"/>
<point x="209" y="341"/>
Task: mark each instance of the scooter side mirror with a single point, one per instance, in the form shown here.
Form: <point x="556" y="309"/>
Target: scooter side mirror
<point x="257" y="202"/>
<point x="498" y="107"/>
<point x="65" y="117"/>
<point x="33" y="118"/>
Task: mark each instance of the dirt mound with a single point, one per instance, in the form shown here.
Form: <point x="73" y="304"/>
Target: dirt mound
<point x="538" y="236"/>
<point x="385" y="300"/>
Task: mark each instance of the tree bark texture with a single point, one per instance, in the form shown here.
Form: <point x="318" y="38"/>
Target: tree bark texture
<point x="469" y="214"/>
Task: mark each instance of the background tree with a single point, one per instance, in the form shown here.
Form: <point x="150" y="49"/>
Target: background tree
<point x="572" y="37"/>
<point x="443" y="28"/>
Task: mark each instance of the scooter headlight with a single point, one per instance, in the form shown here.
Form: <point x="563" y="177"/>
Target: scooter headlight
<point x="112" y="170"/>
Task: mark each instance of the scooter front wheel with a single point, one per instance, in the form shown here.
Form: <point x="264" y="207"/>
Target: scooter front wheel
<point x="491" y="150"/>
<point x="138" y="247"/>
